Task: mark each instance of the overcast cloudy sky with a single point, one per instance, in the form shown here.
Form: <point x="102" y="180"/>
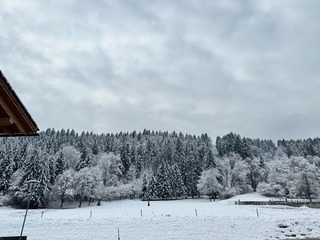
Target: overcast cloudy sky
<point x="250" y="67"/>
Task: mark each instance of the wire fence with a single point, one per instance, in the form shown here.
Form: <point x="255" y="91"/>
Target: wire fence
<point x="284" y="202"/>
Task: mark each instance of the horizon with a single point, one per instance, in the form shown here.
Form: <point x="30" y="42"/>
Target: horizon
<point x="177" y="132"/>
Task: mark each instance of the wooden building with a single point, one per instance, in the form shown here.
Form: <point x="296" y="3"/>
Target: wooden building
<point x="14" y="117"/>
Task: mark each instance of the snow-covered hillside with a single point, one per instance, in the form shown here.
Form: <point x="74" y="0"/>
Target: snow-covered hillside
<point x="190" y="219"/>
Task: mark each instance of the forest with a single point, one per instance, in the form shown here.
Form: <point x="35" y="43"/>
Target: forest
<point x="152" y="165"/>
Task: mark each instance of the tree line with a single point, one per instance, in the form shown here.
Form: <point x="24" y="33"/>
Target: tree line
<point x="152" y="165"/>
<point x="78" y="167"/>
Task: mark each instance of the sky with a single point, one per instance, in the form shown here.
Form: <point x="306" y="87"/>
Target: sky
<point x="248" y="67"/>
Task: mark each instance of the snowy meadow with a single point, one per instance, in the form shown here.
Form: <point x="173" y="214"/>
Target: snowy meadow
<point x="189" y="219"/>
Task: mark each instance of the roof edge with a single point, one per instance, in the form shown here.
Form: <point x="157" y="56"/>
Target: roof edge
<point x="19" y="105"/>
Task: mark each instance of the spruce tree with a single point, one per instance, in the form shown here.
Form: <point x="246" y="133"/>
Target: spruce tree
<point x="153" y="193"/>
<point x="144" y="189"/>
<point x="241" y="147"/>
<point x="61" y="164"/>
<point x="6" y="170"/>
<point x="36" y="168"/>
<point x="42" y="189"/>
<point x="177" y="185"/>
<point x="125" y="157"/>
<point x="85" y="158"/>
<point x="210" y="160"/>
<point x="163" y="184"/>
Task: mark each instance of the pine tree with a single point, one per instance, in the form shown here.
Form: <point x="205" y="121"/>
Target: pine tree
<point x="226" y="144"/>
<point x="177" y="185"/>
<point x="195" y="171"/>
<point x="144" y="190"/>
<point x="85" y="158"/>
<point x="61" y="164"/>
<point x="153" y="193"/>
<point x="210" y="160"/>
<point x="125" y="157"/>
<point x="36" y="168"/>
<point x="179" y="151"/>
<point x="52" y="168"/>
<point x="241" y="147"/>
<point x="163" y="184"/>
<point x="95" y="148"/>
<point x="6" y="171"/>
<point x="42" y="189"/>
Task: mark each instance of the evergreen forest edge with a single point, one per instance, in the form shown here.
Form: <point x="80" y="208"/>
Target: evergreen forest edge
<point x="153" y="165"/>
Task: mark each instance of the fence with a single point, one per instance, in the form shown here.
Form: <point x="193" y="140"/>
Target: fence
<point x="285" y="202"/>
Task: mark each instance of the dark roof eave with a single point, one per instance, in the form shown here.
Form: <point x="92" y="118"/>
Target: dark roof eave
<point x="20" y="104"/>
<point x="18" y="135"/>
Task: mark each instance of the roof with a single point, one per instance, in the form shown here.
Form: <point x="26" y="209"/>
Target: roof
<point x="14" y="117"/>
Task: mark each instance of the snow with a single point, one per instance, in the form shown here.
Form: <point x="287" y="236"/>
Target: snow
<point x="165" y="220"/>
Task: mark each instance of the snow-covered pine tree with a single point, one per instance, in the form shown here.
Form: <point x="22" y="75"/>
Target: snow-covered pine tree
<point x="43" y="188"/>
<point x="163" y="183"/>
<point x="36" y="168"/>
<point x="138" y="164"/>
<point x="177" y="185"/>
<point x="195" y="171"/>
<point x="225" y="144"/>
<point x="6" y="170"/>
<point x="241" y="147"/>
<point x="144" y="190"/>
<point x="179" y="151"/>
<point x="125" y="157"/>
<point x="52" y="168"/>
<point x="85" y="158"/>
<point x="152" y="192"/>
<point x="61" y="164"/>
<point x="210" y="161"/>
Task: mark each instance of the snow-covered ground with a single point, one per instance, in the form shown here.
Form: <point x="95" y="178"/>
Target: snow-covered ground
<point x="190" y="219"/>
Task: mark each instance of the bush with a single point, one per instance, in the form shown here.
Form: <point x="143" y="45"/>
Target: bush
<point x="271" y="190"/>
<point x="229" y="193"/>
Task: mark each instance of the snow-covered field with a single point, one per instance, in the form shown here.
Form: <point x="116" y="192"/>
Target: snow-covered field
<point x="165" y="220"/>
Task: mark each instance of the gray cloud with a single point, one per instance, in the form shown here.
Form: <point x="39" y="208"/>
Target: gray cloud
<point x="249" y="67"/>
